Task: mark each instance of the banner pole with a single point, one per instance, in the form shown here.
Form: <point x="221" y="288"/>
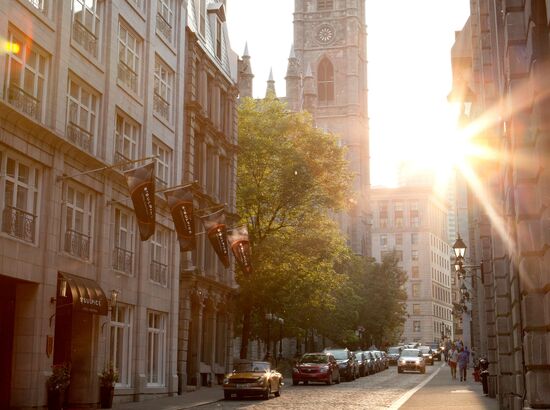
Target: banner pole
<point x="118" y="164"/>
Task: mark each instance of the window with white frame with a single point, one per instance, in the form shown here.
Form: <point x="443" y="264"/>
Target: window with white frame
<point x="86" y="28"/>
<point x="414" y="255"/>
<point x="19" y="186"/>
<point x="415" y="287"/>
<point x="165" y="18"/>
<point x="163" y="164"/>
<point x="129" y="52"/>
<point x="156" y="332"/>
<point x="26" y="75"/>
<point x="41" y="5"/>
<point x="159" y="256"/>
<point x="138" y="4"/>
<point x="123" y="255"/>
<point x="416" y="326"/>
<point x="79" y="206"/>
<point x="325" y="4"/>
<point x="126" y="139"/>
<point x="82" y="106"/>
<point x="219" y="34"/>
<point x="163" y="83"/>
<point x="121" y="343"/>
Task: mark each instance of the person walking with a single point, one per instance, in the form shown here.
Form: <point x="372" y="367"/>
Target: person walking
<point x="453" y="359"/>
<point x="463" y="358"/>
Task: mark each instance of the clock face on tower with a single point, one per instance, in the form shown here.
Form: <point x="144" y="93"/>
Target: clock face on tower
<point x="325" y="34"/>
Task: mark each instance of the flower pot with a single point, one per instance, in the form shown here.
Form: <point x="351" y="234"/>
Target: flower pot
<point x="106" y="394"/>
<point x="55" y="399"/>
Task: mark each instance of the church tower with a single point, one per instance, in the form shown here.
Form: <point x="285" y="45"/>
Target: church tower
<point x="330" y="43"/>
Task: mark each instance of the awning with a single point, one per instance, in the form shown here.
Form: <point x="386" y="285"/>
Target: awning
<point x="87" y="295"/>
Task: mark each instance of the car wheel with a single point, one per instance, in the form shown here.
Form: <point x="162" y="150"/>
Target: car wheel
<point x="338" y="379"/>
<point x="278" y="392"/>
<point x="267" y="392"/>
<point x="329" y="381"/>
<point x="305" y="383"/>
<point x="399" y="370"/>
<point x="227" y="395"/>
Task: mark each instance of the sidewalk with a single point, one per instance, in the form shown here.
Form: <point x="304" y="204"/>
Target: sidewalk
<point x="188" y="400"/>
<point x="442" y="393"/>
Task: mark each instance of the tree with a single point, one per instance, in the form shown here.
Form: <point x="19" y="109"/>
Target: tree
<point x="290" y="175"/>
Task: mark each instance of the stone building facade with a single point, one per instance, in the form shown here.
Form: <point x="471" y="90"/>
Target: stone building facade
<point x="505" y="77"/>
<point x="412" y="222"/>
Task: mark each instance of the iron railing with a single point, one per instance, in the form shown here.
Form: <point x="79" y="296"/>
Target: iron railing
<point x="161" y="106"/>
<point x="24" y="101"/>
<point x="122" y="158"/>
<point x="127" y="76"/>
<point x="80" y="136"/>
<point x="160" y="184"/>
<point x="159" y="273"/>
<point x="77" y="244"/>
<point x="83" y="36"/>
<point x="123" y="260"/>
<point x="18" y="223"/>
<point x="164" y="27"/>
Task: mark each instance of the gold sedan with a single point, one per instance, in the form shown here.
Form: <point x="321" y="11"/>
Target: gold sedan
<point x="252" y="378"/>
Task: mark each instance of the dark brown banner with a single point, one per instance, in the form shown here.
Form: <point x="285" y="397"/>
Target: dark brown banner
<point x="214" y="224"/>
<point x="141" y="183"/>
<point x="180" y="202"/>
<point x="240" y="246"/>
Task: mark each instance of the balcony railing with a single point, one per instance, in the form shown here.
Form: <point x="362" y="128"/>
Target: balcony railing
<point x="127" y="76"/>
<point x="80" y="137"/>
<point x="161" y="106"/>
<point x="122" y="260"/>
<point x="24" y="101"/>
<point x="77" y="244"/>
<point x="85" y="37"/>
<point x="160" y="184"/>
<point x="159" y="273"/>
<point x="164" y="27"/>
<point x="18" y="223"/>
<point x="119" y="157"/>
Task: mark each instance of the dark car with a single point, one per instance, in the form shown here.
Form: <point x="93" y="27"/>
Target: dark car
<point x="437" y="351"/>
<point x="427" y="354"/>
<point x="316" y="367"/>
<point x="361" y="360"/>
<point x="377" y="360"/>
<point x="411" y="359"/>
<point x="370" y="362"/>
<point x="393" y="354"/>
<point x="346" y="362"/>
<point x="385" y="359"/>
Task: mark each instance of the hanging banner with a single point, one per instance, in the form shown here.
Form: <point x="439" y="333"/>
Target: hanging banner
<point x="141" y="183"/>
<point x="240" y="246"/>
<point x="180" y="202"/>
<point x="214" y="224"/>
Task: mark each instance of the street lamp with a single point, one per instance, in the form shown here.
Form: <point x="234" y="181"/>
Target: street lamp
<point x="268" y="317"/>
<point x="459" y="248"/>
<point x="281" y="323"/>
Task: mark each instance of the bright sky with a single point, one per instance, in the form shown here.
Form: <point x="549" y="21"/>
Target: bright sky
<point x="409" y="72"/>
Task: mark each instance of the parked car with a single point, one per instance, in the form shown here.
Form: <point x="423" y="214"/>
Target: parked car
<point x="411" y="359"/>
<point x="393" y="354"/>
<point x="427" y="353"/>
<point x="385" y="359"/>
<point x="370" y="362"/>
<point x="437" y="350"/>
<point x="361" y="360"/>
<point x="252" y="378"/>
<point x="316" y="367"/>
<point x="346" y="362"/>
<point x="379" y="365"/>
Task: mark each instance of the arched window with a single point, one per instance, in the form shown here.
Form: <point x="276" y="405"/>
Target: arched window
<point x="325" y="4"/>
<point x="325" y="82"/>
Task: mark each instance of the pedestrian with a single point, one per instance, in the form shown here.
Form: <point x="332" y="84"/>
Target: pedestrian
<point x="453" y="359"/>
<point x="463" y="358"/>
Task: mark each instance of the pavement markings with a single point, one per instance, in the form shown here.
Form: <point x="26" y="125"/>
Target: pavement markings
<point x="462" y="391"/>
<point x="397" y="404"/>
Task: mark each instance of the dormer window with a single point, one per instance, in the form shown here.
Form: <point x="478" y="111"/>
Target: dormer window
<point x="325" y="5"/>
<point x="218" y="38"/>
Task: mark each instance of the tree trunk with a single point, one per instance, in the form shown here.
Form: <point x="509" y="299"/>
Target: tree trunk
<point x="245" y="335"/>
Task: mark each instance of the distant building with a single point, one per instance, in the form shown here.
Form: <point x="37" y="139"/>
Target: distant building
<point x="413" y="223"/>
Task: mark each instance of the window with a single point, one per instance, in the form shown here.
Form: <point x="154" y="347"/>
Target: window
<point x="126" y="138"/>
<point x="87" y="24"/>
<point x="128" y="58"/>
<point x="78" y="220"/>
<point x="19" y="185"/>
<point x="416" y="309"/>
<point x="416" y="326"/>
<point x="121" y="343"/>
<point x="198" y="164"/>
<point x="414" y="238"/>
<point x="26" y="76"/>
<point x="159" y="256"/>
<point x="414" y="255"/>
<point x="398" y="239"/>
<point x="415" y="221"/>
<point x="165" y="18"/>
<point x="416" y="290"/>
<point x="124" y="241"/>
<point x="137" y="4"/>
<point x="211" y="169"/>
<point x="210" y="97"/>
<point x="415" y="272"/>
<point x="162" y="97"/>
<point x="383" y="240"/>
<point x="325" y="82"/>
<point x="162" y="168"/>
<point x="219" y="34"/>
<point x="325" y="4"/>
<point x="156" y="330"/>
<point x="224" y="183"/>
<point x="202" y="17"/>
<point x="82" y="105"/>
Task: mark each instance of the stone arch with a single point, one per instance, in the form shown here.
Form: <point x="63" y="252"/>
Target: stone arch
<point x="325" y="81"/>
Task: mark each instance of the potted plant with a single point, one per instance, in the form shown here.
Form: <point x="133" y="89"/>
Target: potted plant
<point x="107" y="380"/>
<point x="56" y="385"/>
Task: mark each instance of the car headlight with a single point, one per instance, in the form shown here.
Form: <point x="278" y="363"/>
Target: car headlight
<point x="401" y="361"/>
<point x="431" y="357"/>
<point x="323" y="369"/>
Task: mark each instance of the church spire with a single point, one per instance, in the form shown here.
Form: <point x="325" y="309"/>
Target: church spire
<point x="270" y="85"/>
<point x="245" y="75"/>
<point x="310" y="93"/>
<point x="293" y="81"/>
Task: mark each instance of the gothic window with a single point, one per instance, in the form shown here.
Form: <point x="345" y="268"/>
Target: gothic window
<point x="325" y="82"/>
<point x="325" y="4"/>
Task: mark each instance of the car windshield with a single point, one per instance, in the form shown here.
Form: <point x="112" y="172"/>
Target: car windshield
<point x="393" y="350"/>
<point x="340" y="354"/>
<point x="434" y="346"/>
<point x="424" y="349"/>
<point x="410" y="353"/>
<point x="251" y="367"/>
<point x="359" y="355"/>
<point x="314" y="358"/>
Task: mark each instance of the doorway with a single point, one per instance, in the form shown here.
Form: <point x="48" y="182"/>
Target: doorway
<point x="7" y="321"/>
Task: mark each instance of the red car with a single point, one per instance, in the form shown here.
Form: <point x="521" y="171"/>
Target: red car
<point x="316" y="367"/>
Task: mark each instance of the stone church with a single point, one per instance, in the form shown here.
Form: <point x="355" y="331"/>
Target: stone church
<point x="327" y="76"/>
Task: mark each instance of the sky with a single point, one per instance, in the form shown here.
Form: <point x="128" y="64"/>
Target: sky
<point x="409" y="72"/>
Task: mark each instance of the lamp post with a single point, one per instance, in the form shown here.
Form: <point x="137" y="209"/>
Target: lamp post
<point x="268" y="317"/>
<point x="281" y="323"/>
